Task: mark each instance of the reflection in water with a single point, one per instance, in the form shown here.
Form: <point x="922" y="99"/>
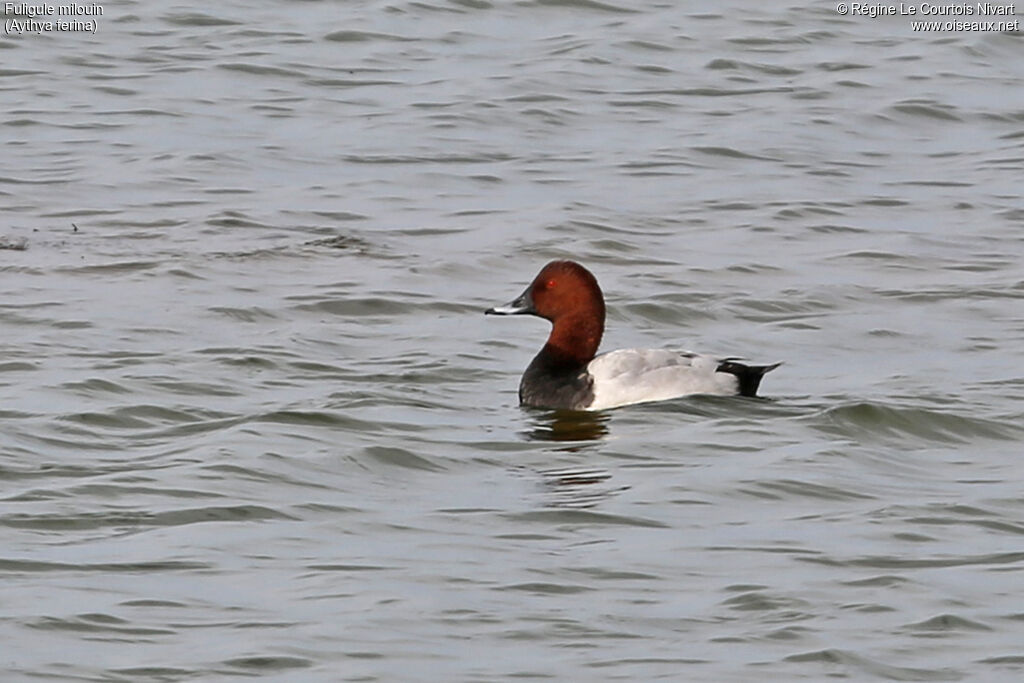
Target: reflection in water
<point x="568" y="425"/>
<point x="576" y="487"/>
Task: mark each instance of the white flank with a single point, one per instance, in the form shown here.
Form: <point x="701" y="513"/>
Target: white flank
<point x="629" y="376"/>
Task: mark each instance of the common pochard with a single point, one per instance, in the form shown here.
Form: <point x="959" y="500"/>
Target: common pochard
<point x="566" y="373"/>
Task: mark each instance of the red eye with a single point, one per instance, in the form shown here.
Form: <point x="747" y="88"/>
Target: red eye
<point x="551" y="283"/>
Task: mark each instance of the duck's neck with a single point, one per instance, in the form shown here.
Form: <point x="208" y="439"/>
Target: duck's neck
<point x="574" y="340"/>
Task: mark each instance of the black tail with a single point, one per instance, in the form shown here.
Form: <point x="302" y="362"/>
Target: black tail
<point x="749" y="376"/>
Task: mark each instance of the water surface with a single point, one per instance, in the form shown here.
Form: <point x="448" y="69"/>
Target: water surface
<point x="253" y="422"/>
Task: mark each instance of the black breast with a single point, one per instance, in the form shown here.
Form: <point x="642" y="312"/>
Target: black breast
<point x="548" y="384"/>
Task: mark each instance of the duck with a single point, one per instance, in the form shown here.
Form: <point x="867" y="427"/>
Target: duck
<point x="569" y="374"/>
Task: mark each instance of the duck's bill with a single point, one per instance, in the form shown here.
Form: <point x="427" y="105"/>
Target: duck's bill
<point x="520" y="305"/>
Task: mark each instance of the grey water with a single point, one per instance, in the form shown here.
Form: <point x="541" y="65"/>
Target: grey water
<point x="254" y="424"/>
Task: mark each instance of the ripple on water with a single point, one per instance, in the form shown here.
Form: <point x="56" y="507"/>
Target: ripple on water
<point x="97" y="624"/>
<point x="581" y="518"/>
<point x="866" y="421"/>
<point x="123" y="520"/>
<point x="31" y="567"/>
<point x="197" y="19"/>
<point x="874" y="667"/>
<point x="400" y="457"/>
<point x="269" y="664"/>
